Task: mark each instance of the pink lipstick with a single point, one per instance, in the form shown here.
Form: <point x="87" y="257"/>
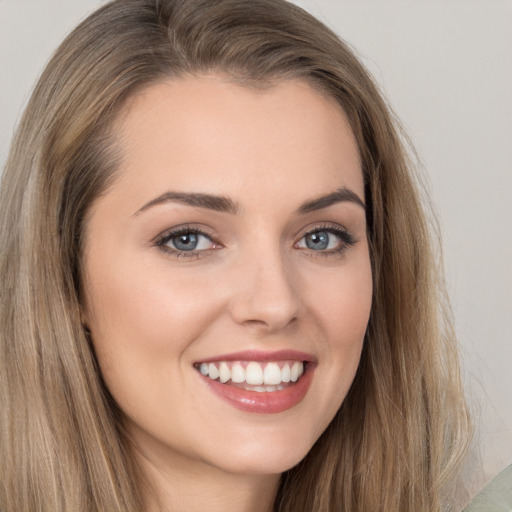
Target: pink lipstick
<point x="259" y="382"/>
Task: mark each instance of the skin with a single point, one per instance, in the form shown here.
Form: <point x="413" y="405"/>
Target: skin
<point x="255" y="286"/>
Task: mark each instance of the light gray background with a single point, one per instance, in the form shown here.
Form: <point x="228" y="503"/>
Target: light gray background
<point x="446" y="67"/>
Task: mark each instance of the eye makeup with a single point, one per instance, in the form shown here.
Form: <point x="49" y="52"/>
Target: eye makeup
<point x="189" y="241"/>
<point x="186" y="241"/>
<point x="325" y="240"/>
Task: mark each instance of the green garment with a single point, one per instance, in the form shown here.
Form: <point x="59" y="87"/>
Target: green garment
<point x="496" y="496"/>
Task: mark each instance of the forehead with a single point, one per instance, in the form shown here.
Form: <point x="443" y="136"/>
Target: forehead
<point x="206" y="134"/>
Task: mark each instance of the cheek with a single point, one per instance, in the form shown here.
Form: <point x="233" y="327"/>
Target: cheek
<point x="343" y="307"/>
<point x="141" y="319"/>
<point x="136" y="299"/>
<point x="142" y="323"/>
<point x="340" y="311"/>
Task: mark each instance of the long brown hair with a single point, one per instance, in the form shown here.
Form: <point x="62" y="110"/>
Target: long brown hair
<point x="398" y="439"/>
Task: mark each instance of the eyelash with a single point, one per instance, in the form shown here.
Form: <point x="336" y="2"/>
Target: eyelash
<point x="346" y="241"/>
<point x="164" y="239"/>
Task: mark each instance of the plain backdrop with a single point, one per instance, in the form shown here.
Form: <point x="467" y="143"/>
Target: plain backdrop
<point x="446" y="68"/>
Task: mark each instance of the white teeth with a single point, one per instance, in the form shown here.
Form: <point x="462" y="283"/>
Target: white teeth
<point x="294" y="373"/>
<point x="272" y="374"/>
<point x="237" y="373"/>
<point x="224" y="372"/>
<point x="254" y="374"/>
<point x="213" y="371"/>
<point x="267" y="389"/>
<point x="285" y="373"/>
<point x="263" y="377"/>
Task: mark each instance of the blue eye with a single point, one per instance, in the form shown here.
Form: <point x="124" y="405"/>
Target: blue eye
<point x="186" y="240"/>
<point x="326" y="240"/>
<point x="318" y="241"/>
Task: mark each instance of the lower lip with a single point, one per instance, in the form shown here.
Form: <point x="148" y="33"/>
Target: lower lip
<point x="271" y="402"/>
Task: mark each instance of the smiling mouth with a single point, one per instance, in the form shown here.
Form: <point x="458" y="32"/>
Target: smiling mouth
<point x="258" y="381"/>
<point x="263" y="377"/>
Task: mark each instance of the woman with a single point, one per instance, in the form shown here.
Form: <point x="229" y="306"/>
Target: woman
<point x="219" y="290"/>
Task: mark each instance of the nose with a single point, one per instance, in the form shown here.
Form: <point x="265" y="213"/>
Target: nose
<point x="266" y="294"/>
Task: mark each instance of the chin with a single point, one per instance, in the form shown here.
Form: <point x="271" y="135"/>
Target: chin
<point x="272" y="465"/>
<point x="265" y="457"/>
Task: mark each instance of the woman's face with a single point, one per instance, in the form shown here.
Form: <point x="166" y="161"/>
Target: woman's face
<point x="227" y="272"/>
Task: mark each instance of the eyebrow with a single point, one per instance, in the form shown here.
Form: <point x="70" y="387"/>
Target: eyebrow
<point x="227" y="205"/>
<point x="208" y="201"/>
<point x="341" y="195"/>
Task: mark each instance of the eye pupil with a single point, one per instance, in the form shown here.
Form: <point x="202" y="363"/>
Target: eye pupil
<point x="186" y="241"/>
<point x="317" y="241"/>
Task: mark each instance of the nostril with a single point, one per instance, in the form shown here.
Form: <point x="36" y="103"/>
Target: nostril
<point x="270" y="323"/>
<point x="267" y="297"/>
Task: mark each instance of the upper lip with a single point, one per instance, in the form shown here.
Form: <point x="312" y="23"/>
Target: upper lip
<point x="262" y="356"/>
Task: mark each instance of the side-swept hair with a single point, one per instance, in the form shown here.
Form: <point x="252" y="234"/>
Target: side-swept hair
<point x="398" y="438"/>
